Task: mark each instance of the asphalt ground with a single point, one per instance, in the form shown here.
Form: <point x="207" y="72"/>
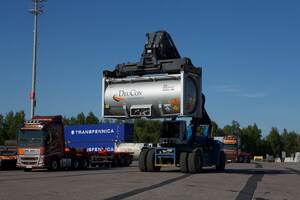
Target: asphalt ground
<point x="259" y="181"/>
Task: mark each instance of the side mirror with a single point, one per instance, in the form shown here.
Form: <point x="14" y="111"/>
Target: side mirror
<point x="50" y="138"/>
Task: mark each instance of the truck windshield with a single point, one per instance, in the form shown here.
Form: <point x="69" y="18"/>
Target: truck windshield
<point x="31" y="138"/>
<point x="230" y="146"/>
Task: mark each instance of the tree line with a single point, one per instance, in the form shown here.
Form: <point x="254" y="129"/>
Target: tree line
<point x="147" y="131"/>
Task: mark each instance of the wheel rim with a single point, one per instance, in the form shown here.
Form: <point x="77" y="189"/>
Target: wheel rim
<point x="54" y="164"/>
<point x="76" y="164"/>
<point x="85" y="164"/>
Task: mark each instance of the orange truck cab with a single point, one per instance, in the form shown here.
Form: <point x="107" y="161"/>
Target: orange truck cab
<point x="231" y="147"/>
<point x="40" y="142"/>
<point x="233" y="151"/>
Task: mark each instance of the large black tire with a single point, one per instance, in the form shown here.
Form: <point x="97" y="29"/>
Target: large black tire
<point x="151" y="161"/>
<point x="127" y="161"/>
<point x="84" y="164"/>
<point x="184" y="162"/>
<point x="54" y="165"/>
<point x="122" y="161"/>
<point x="222" y="160"/>
<point x="75" y="164"/>
<point x="142" y="160"/>
<point x="194" y="162"/>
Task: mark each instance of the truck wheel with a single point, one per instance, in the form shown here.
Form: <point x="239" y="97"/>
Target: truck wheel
<point x="151" y="161"/>
<point x="122" y="161"/>
<point x="142" y="160"/>
<point x="85" y="164"/>
<point x="194" y="162"/>
<point x="127" y="161"/>
<point x="221" y="165"/>
<point x="184" y="162"/>
<point x="75" y="164"/>
<point x="54" y="165"/>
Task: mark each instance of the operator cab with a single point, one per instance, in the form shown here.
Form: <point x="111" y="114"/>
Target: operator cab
<point x="177" y="132"/>
<point x="173" y="132"/>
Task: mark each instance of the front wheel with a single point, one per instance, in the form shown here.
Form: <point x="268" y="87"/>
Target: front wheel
<point x="54" y="165"/>
<point x="142" y="160"/>
<point x="222" y="160"/>
<point x="151" y="161"/>
<point x="184" y="162"/>
<point x="194" y="162"/>
<point x="75" y="164"/>
<point x="85" y="164"/>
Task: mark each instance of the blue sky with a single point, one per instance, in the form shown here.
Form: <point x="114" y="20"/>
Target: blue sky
<point x="249" y="51"/>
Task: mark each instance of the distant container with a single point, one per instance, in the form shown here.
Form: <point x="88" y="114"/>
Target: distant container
<point x="96" y="136"/>
<point x="219" y="138"/>
<point x="297" y="157"/>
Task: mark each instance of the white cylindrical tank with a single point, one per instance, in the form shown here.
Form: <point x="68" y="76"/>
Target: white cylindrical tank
<point x="134" y="148"/>
<point x="152" y="96"/>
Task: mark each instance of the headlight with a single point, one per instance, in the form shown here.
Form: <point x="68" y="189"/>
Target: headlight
<point x="41" y="159"/>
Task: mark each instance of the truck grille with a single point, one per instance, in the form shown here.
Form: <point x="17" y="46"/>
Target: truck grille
<point x="29" y="160"/>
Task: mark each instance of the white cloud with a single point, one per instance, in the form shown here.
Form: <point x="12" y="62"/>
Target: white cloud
<point x="255" y="95"/>
<point x="228" y="88"/>
<point x="236" y="90"/>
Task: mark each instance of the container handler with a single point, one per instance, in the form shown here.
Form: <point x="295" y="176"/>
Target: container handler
<point x="41" y="144"/>
<point x="164" y="85"/>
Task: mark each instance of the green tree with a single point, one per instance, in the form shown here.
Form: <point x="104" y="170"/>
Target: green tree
<point x="19" y="120"/>
<point x="10" y="125"/>
<point x="274" y="140"/>
<point x="92" y="119"/>
<point x="80" y="119"/>
<point x="298" y="142"/>
<point x="66" y="121"/>
<point x="232" y="129"/>
<point x="146" y="130"/>
<point x="250" y="139"/>
<point x="289" y="142"/>
<point x="1" y="129"/>
<point x="216" y="130"/>
<point x="263" y="147"/>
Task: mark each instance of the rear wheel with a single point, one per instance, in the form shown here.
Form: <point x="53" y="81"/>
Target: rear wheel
<point x="85" y="164"/>
<point x="221" y="165"/>
<point x="194" y="162"/>
<point x="142" y="160"/>
<point x="122" y="161"/>
<point x="75" y="164"/>
<point x="127" y="161"/>
<point x="151" y="161"/>
<point x="184" y="162"/>
<point x="54" y="165"/>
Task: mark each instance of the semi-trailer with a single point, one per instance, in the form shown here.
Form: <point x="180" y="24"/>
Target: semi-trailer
<point x="8" y="157"/>
<point x="42" y="144"/>
<point x="164" y="85"/>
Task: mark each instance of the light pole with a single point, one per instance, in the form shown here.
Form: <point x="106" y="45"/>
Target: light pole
<point x="36" y="11"/>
